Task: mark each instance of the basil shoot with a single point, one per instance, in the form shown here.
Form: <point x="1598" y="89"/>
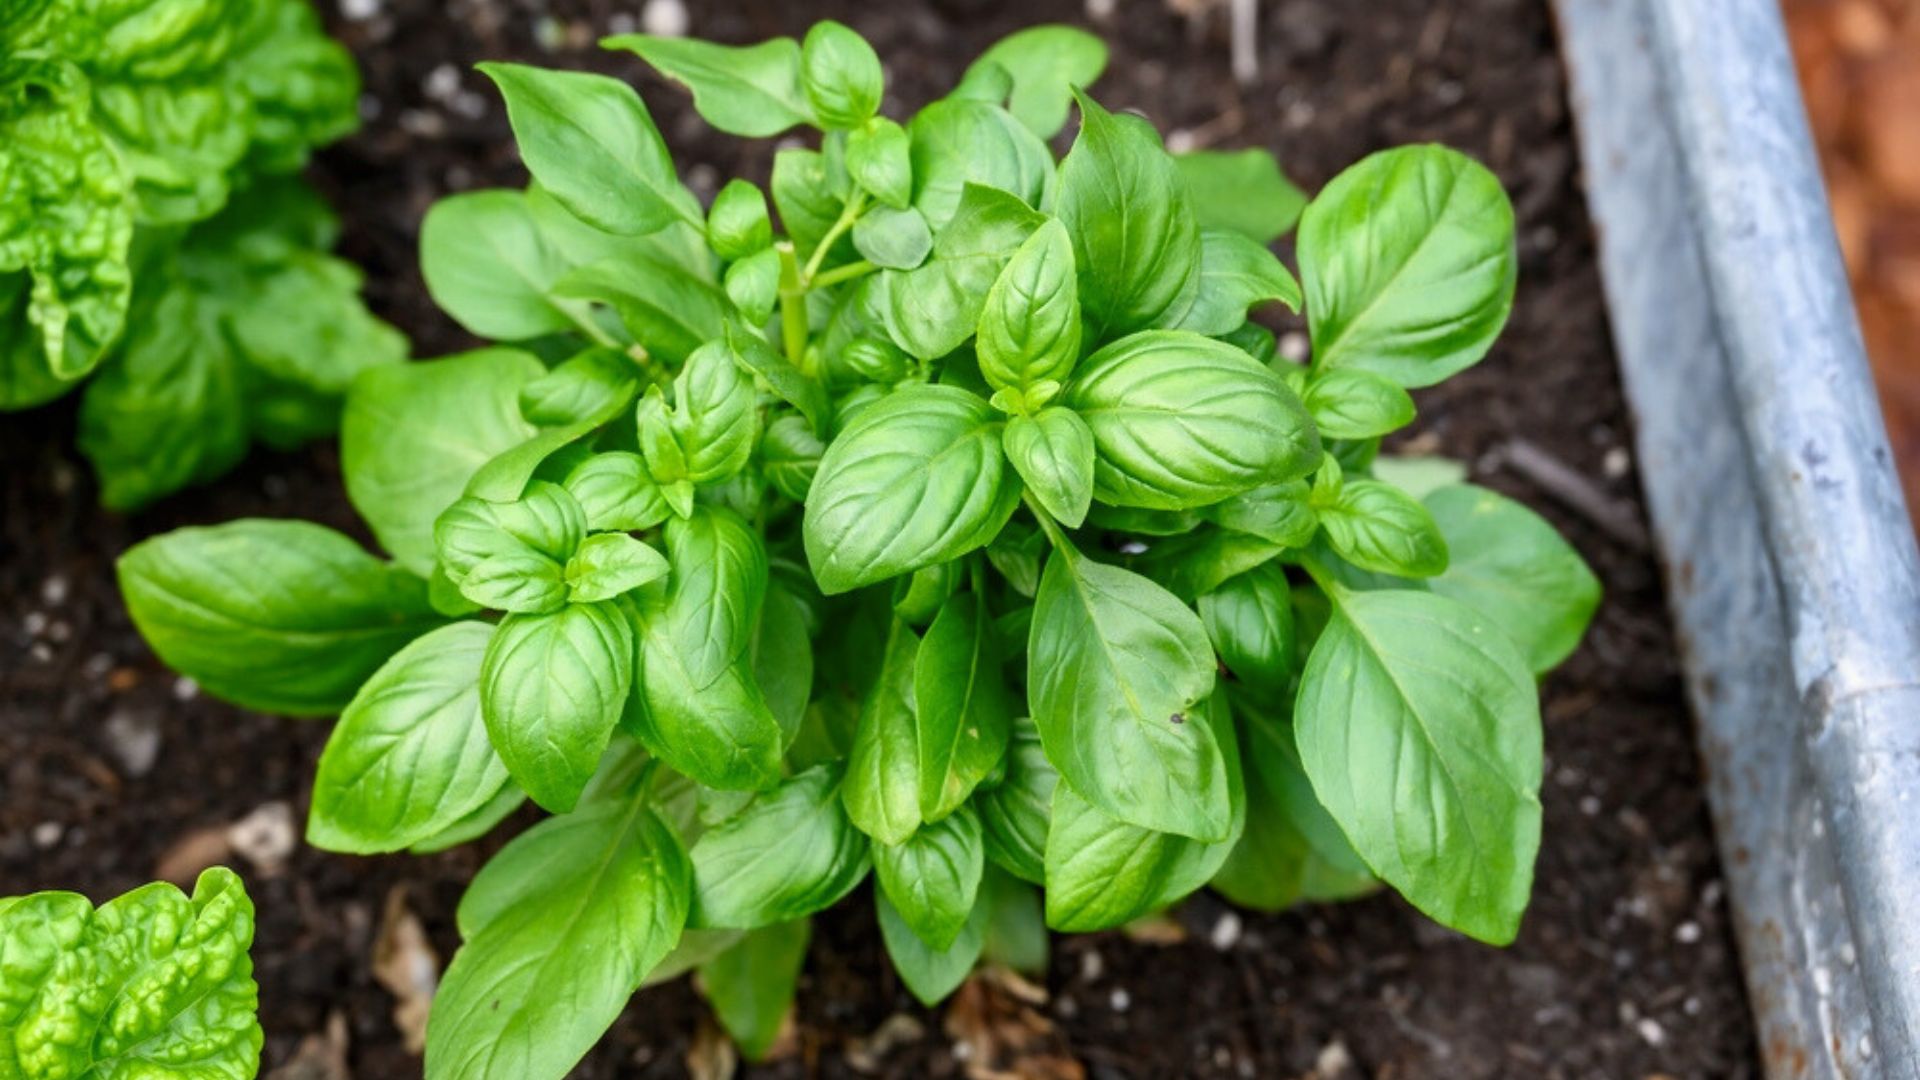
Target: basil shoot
<point x="936" y="512"/>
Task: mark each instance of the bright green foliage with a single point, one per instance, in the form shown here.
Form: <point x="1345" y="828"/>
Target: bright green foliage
<point x="947" y="521"/>
<point x="157" y="137"/>
<point x="153" y="985"/>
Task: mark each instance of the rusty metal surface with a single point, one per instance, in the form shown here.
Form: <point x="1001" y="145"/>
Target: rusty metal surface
<point x="1791" y="565"/>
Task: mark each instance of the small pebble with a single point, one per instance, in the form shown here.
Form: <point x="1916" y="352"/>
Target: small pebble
<point x="1226" y="932"/>
<point x="133" y="737"/>
<point x="665" y="18"/>
<point x="53" y="591"/>
<point x="359" y="10"/>
<point x="622" y="22"/>
<point x="1101" y="10"/>
<point x="35" y="623"/>
<point x="1294" y="346"/>
<point x="1590" y="805"/>
<point x="47" y="834"/>
<point x="266" y="836"/>
<point x="442" y="83"/>
<point x="1651" y="1031"/>
<point x="1687" y="933"/>
<point x="185" y="689"/>
<point x="1121" y="1001"/>
<point x="1092" y="965"/>
<point x="1616" y="463"/>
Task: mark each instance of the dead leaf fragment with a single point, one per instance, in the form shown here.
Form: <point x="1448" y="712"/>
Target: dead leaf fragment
<point x="868" y="1054"/>
<point x="192" y="853"/>
<point x="406" y="965"/>
<point x="712" y="1055"/>
<point x="1001" y="1037"/>
<point x="321" y="1056"/>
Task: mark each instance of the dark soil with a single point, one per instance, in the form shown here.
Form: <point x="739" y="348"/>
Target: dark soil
<point x="1625" y="969"/>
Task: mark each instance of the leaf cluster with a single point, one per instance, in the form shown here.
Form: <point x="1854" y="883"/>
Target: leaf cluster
<point x="151" y="231"/>
<point x="936" y="516"/>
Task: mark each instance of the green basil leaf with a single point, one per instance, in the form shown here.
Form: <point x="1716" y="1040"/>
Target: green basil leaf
<point x="722" y="734"/>
<point x="609" y="564"/>
<point x="668" y="309"/>
<point x="1201" y="561"/>
<point x="1115" y="665"/>
<point x="1260" y="343"/>
<point x="962" y="708"/>
<point x="616" y="492"/>
<point x="562" y="926"/>
<point x="1243" y="191"/>
<point x="916" y="479"/>
<point x="489" y="266"/>
<point x="879" y="159"/>
<point x="409" y="758"/>
<point x="1030" y="325"/>
<point x="1408" y="263"/>
<point x="751" y="985"/>
<point x="1278" y="513"/>
<point x="1017" y="553"/>
<point x="279" y="616"/>
<point x="1236" y="275"/>
<point x="1102" y="872"/>
<point x="682" y="244"/>
<point x="476" y="824"/>
<point x="153" y="984"/>
<point x="790" y="852"/>
<point x="1181" y="421"/>
<point x="782" y="659"/>
<point x="588" y="385"/>
<point x="1419" y="475"/>
<point x="1378" y="527"/>
<point x="790" y="454"/>
<point x="882" y="789"/>
<point x="1349" y="403"/>
<point x="412" y="436"/>
<point x="841" y="76"/>
<point x="751" y="90"/>
<point x="1044" y="65"/>
<point x="1419" y="725"/>
<point x="547" y="521"/>
<point x="714" y="420"/>
<point x="753" y="284"/>
<point x="551" y="690"/>
<point x="1249" y="618"/>
<point x="918" y="598"/>
<point x="893" y="239"/>
<point x="806" y="200"/>
<point x="1291" y="849"/>
<point x="590" y="143"/>
<point x="1016" y="934"/>
<point x="737" y="223"/>
<point x="934" y="309"/>
<point x="788" y="383"/>
<point x="959" y="143"/>
<point x="1053" y="453"/>
<point x="1135" y="240"/>
<point x="932" y="878"/>
<point x="1512" y="567"/>
<point x="524" y="582"/>
<point x="715" y="595"/>
<point x="931" y="974"/>
<point x="1016" y="813"/>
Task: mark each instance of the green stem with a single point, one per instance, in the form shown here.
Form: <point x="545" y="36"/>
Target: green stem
<point x="1047" y="525"/>
<point x="1322" y="577"/>
<point x="582" y="317"/>
<point x="856" y="203"/>
<point x="841" y="274"/>
<point x="793" y="305"/>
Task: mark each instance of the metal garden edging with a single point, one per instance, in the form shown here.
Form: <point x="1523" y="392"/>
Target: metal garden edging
<point x="1791" y="561"/>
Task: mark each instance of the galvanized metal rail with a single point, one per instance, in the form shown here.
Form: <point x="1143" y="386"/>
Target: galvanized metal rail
<point x="1791" y="561"/>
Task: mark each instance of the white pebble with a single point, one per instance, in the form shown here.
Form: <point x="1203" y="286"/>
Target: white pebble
<point x="1121" y="1001"/>
<point x="665" y="18"/>
<point x="1616" y="462"/>
<point x="1294" y="346"/>
<point x="185" y="689"/>
<point x="35" y="623"/>
<point x="266" y="836"/>
<point x="53" y="591"/>
<point x="1226" y="932"/>
<point x="1092" y="966"/>
<point x="1687" y="933"/>
<point x="1651" y="1031"/>
<point x="442" y="82"/>
<point x="47" y="834"/>
<point x="359" y="10"/>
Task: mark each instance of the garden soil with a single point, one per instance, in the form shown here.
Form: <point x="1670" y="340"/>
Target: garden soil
<point x="113" y="770"/>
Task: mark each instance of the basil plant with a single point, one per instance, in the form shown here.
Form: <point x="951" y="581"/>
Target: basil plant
<point x="959" y="531"/>
<point x="154" y="235"/>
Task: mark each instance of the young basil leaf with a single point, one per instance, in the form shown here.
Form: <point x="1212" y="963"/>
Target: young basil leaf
<point x="714" y="419"/>
<point x="916" y="479"/>
<point x="841" y="76"/>
<point x="918" y="598"/>
<point x="790" y="455"/>
<point x="1053" y="453"/>
<point x="591" y="144"/>
<point x="737" y="223"/>
<point x="1250" y="621"/>
<point x="589" y="385"/>
<point x="893" y="239"/>
<point x="668" y="309"/>
<point x="789" y="383"/>
<point x="751" y="985"/>
<point x="751" y="90"/>
<point x="882" y="790"/>
<point x="962" y="708"/>
<point x="959" y="143"/>
<point x="1236" y="274"/>
<point x="551" y="690"/>
<point x="932" y="878"/>
<point x="1029" y="328"/>
<point x="806" y="201"/>
<point x="718" y="586"/>
<point x="1102" y="872"/>
<point x="722" y="733"/>
<point x="1115" y="665"/>
<point x="413" y="434"/>
<point x="609" y="564"/>
<point x="561" y="928"/>
<point x="409" y="758"/>
<point x="1291" y="849"/>
<point x="682" y="244"/>
<point x="547" y="521"/>
<point x="1135" y="240"/>
<point x="1408" y="263"/>
<point x="1279" y="513"/>
<point x="1349" y="403"/>
<point x="1201" y="561"/>
<point x="1043" y="66"/>
<point x="488" y="265"/>
<point x="153" y="984"/>
<point x="1015" y="813"/>
<point x="1510" y="565"/>
<point x="616" y="493"/>
<point x="279" y="616"/>
<point x="791" y="852"/>
<point x="524" y="582"/>
<point x="753" y="284"/>
<point x="934" y="309"/>
<point x="1260" y="343"/>
<point x="1419" y="725"/>
<point x="1182" y="421"/>
<point x="931" y="974"/>
<point x="1243" y="191"/>
<point x="1378" y="527"/>
<point x="879" y="159"/>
